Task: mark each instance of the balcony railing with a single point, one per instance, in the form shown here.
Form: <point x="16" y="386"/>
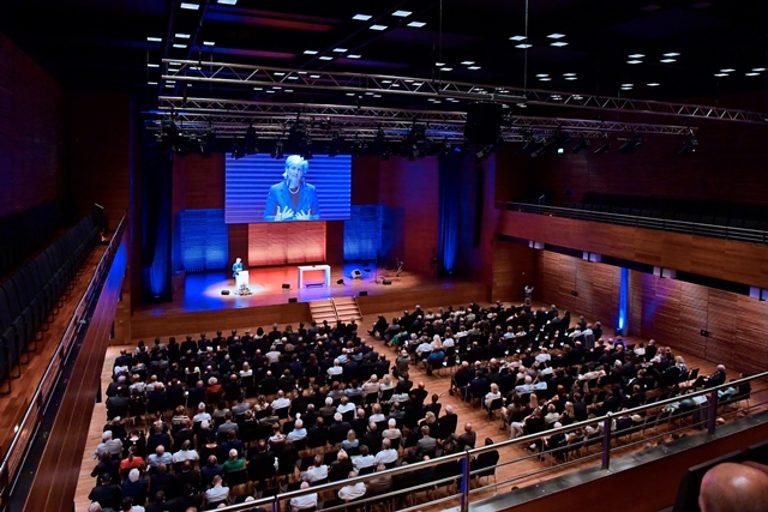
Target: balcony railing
<point x="447" y="481"/>
<point x="677" y="226"/>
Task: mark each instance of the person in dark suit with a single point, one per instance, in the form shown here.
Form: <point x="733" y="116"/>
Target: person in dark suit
<point x="292" y="198"/>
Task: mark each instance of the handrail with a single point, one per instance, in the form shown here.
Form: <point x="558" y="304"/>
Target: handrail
<point x="26" y="430"/>
<point x="678" y="226"/>
<point x="467" y="456"/>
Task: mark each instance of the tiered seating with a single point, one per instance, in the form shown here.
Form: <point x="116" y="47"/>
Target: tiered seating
<point x="30" y="295"/>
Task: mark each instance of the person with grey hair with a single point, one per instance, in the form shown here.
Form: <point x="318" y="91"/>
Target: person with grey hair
<point x="304" y="502"/>
<point x="292" y="198"/>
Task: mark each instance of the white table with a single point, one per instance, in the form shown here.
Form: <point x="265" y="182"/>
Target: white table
<point x="309" y="268"/>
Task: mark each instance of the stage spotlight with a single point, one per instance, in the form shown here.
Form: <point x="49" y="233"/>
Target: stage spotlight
<point x="580" y="144"/>
<point x="278" y="151"/>
<point x="631" y="145"/>
<point x="603" y="148"/>
<point x="336" y="145"/>
<point x="483" y="152"/>
<point x="689" y="146"/>
<point x="250" y="141"/>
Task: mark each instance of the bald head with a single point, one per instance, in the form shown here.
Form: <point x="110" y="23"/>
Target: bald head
<point x="731" y="487"/>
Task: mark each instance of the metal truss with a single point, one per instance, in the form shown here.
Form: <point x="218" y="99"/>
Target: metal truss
<point x="273" y="120"/>
<point x="284" y="79"/>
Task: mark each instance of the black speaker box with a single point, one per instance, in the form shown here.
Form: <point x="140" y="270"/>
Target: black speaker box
<point x="225" y="292"/>
<point x="363" y="293"/>
<point x="292" y="299"/>
<point x="386" y="281"/>
<point x="286" y="286"/>
<point x="483" y="124"/>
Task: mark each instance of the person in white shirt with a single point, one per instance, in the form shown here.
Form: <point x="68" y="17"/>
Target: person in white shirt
<point x="298" y="433"/>
<point x="246" y="371"/>
<point x="392" y="432"/>
<point x="372" y="385"/>
<point x="202" y="415"/>
<point x="345" y="406"/>
<point x="218" y="493"/>
<point x="273" y="356"/>
<point x="543" y="356"/>
<point x="281" y="401"/>
<point x="336" y="369"/>
<point x="492" y="395"/>
<point x="186" y="453"/>
<point x="364" y="460"/>
<point x="376" y="415"/>
<point x="352" y="491"/>
<point x="387" y="454"/>
<point x="316" y="472"/>
<point x="304" y="502"/>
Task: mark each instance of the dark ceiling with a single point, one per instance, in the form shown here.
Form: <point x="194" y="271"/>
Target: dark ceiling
<point x="682" y="45"/>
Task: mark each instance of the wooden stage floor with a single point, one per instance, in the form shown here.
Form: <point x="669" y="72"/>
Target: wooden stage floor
<point x="199" y="305"/>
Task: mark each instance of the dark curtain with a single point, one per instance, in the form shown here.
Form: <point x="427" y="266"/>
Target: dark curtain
<point x="449" y="199"/>
<point x="155" y="204"/>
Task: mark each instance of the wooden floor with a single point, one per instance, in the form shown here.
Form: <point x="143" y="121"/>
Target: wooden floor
<point x="435" y="384"/>
<point x="14" y="405"/>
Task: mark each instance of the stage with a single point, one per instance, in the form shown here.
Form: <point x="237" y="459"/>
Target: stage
<point x="200" y="306"/>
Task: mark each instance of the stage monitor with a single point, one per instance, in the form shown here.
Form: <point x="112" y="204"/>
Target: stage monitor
<point x="259" y="188"/>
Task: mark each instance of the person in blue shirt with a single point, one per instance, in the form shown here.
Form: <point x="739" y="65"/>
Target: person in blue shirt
<point x="237" y="267"/>
<point x="292" y="198"/>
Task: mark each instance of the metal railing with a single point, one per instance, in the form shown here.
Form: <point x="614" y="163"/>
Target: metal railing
<point x="25" y="431"/>
<point x="677" y="226"/>
<point x="683" y="412"/>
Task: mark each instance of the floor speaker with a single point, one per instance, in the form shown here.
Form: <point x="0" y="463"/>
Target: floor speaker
<point x="286" y="286"/>
<point x="292" y="300"/>
<point x="356" y="274"/>
<point x="364" y="293"/>
<point x="386" y="281"/>
<point x="225" y="292"/>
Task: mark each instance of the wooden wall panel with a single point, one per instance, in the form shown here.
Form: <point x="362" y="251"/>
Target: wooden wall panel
<point x="740" y="262"/>
<point x="202" y="180"/>
<point x="411" y="189"/>
<point x="514" y="266"/>
<point x="286" y="243"/>
<point x="31" y="116"/>
<point x="99" y="137"/>
<point x="596" y="286"/>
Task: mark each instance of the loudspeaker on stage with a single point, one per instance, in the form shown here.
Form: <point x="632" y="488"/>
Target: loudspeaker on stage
<point x="225" y="292"/>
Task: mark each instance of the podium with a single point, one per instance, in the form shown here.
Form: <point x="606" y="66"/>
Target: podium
<point x="242" y="279"/>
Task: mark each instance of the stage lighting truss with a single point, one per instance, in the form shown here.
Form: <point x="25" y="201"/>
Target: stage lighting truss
<point x="281" y="79"/>
<point x="326" y="122"/>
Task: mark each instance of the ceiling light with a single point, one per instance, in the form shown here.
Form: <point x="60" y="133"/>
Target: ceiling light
<point x="277" y="87"/>
<point x="341" y="50"/>
<point x="258" y="88"/>
<point x="518" y="38"/>
<point x="752" y="73"/>
<point x="402" y="14"/>
<point x="627" y="85"/>
<point x="386" y="81"/>
<point x="541" y="75"/>
<point x="569" y="74"/>
<point x="169" y="86"/>
<point x="354" y="56"/>
<point x="153" y="65"/>
<point x="314" y="76"/>
<point x="151" y="82"/>
<point x="556" y="35"/>
<point x="174" y="63"/>
<point x="325" y="57"/>
<point x="289" y="90"/>
<point x="350" y="94"/>
<point x="228" y="2"/>
<point x="672" y="54"/>
<point x="571" y="78"/>
<point x="467" y="62"/>
<point x="293" y="77"/>
<point x="523" y="46"/>
<point x="362" y="17"/>
<point x="558" y="43"/>
<point x="190" y="6"/>
<point x="439" y="64"/>
<point x="721" y="75"/>
<point x="667" y="61"/>
<point x="180" y="35"/>
<point x="634" y="61"/>
<point x="152" y="39"/>
<point x="446" y="69"/>
<point x="179" y="46"/>
<point x="310" y="52"/>
<point x="653" y="84"/>
<point x="758" y="69"/>
<point x="727" y="70"/>
<point x="416" y="24"/>
<point x="209" y="43"/>
<point x="270" y="91"/>
<point x="170" y="81"/>
<point x="636" y="55"/>
<point x="545" y="79"/>
<point x="378" y="27"/>
<point x="473" y="68"/>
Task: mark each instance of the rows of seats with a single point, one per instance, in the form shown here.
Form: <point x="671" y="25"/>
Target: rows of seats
<point x="30" y="295"/>
<point x="25" y="232"/>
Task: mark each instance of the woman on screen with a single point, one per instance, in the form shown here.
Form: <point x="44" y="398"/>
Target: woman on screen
<point x="293" y="198"/>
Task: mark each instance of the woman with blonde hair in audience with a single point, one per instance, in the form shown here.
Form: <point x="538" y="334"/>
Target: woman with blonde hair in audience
<point x="385" y="383"/>
<point x="376" y="414"/>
